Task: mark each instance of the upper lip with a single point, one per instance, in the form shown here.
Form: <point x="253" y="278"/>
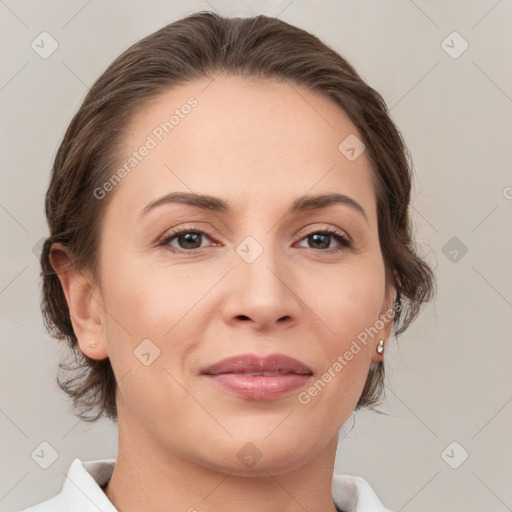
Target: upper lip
<point x="250" y="364"/>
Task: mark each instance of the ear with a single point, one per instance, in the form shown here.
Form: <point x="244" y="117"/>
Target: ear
<point x="84" y="302"/>
<point x="386" y="320"/>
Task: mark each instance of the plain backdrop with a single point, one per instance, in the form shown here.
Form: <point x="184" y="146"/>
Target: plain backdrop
<point x="443" y="67"/>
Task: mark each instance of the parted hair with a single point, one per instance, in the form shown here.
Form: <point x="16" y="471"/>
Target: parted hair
<point x="200" y="46"/>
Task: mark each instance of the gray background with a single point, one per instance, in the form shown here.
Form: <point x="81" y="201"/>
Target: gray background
<point x="448" y="377"/>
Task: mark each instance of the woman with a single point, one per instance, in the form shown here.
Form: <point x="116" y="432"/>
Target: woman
<point x="230" y="249"/>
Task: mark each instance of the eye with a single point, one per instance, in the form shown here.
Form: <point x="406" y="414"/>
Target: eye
<point x="187" y="239"/>
<point x="322" y="239"/>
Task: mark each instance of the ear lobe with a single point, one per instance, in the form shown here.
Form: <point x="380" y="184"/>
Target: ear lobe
<point x="386" y="316"/>
<point x="83" y="302"/>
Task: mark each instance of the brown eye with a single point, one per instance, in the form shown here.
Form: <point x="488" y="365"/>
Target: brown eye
<point x="186" y="239"/>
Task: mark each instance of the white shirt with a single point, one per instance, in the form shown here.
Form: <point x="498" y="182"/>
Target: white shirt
<point x="82" y="491"/>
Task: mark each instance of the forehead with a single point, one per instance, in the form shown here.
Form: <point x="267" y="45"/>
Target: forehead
<point x="241" y="139"/>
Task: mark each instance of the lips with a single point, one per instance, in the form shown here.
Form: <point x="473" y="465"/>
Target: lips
<point x="259" y="378"/>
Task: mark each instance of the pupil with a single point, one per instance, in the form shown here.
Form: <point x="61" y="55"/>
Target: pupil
<point x="325" y="237"/>
<point x="190" y="238"/>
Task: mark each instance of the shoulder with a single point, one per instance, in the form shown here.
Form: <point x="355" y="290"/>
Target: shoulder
<point x="354" y="494"/>
<point x="81" y="491"/>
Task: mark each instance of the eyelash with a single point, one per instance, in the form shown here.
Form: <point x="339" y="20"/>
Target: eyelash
<point x="338" y="235"/>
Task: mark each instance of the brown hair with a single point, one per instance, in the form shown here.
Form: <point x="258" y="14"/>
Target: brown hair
<point x="195" y="47"/>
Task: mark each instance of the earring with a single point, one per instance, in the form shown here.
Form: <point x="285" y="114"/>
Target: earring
<point x="380" y="347"/>
<point x="92" y="345"/>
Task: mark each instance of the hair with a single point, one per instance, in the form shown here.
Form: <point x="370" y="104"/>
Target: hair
<point x="196" y="47"/>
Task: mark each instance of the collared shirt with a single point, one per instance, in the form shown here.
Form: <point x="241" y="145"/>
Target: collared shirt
<point x="82" y="491"/>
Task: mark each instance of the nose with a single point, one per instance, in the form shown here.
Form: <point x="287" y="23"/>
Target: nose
<point x="263" y="293"/>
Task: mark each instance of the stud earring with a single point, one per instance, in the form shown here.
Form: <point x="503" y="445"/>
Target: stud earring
<point x="380" y="347"/>
<point x="92" y="345"/>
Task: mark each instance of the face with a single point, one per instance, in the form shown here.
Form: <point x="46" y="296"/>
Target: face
<point x="235" y="319"/>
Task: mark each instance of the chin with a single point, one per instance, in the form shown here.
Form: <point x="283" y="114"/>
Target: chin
<point x="264" y="454"/>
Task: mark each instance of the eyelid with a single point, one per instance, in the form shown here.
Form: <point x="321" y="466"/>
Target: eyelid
<point x="172" y="233"/>
<point x="325" y="228"/>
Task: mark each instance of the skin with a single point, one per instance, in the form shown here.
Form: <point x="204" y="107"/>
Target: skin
<point x="257" y="145"/>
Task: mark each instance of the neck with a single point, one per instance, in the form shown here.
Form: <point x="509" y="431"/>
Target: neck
<point x="146" y="477"/>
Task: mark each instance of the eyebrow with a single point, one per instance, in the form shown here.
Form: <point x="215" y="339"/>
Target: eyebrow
<point x="215" y="204"/>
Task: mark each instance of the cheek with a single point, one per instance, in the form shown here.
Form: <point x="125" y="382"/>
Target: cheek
<point x="351" y="301"/>
<point x="146" y="319"/>
<point x="143" y="302"/>
<point x="349" y="307"/>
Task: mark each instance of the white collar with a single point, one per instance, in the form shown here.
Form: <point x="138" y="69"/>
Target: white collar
<point x="354" y="494"/>
<point x="82" y="491"/>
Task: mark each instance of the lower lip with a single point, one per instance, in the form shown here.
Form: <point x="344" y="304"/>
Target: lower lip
<point x="259" y="387"/>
